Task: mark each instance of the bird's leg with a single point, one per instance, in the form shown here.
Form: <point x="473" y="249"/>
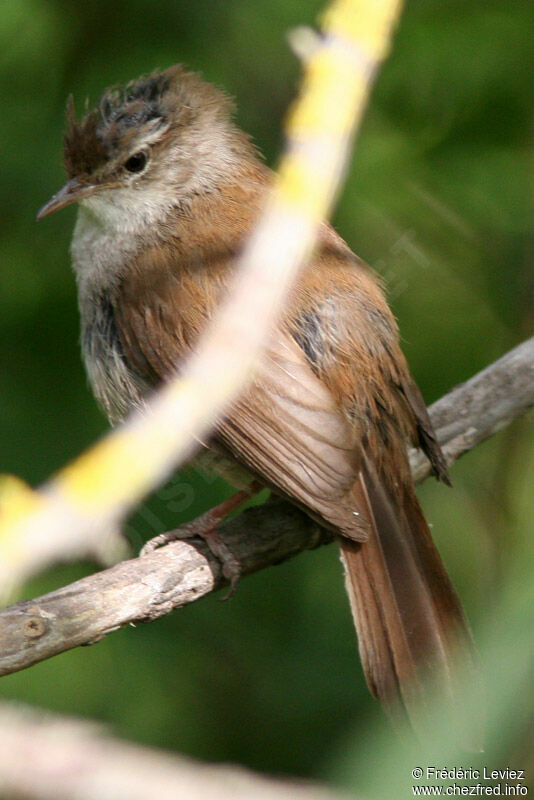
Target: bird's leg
<point x="205" y="527"/>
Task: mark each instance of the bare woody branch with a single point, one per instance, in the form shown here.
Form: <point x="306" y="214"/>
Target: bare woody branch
<point x="476" y="410"/>
<point x="45" y="757"/>
<point x="147" y="588"/>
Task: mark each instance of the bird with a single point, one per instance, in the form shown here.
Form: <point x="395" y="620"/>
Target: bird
<point x="168" y="190"/>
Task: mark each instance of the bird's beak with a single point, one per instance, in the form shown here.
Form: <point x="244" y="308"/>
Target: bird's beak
<point x="70" y="193"/>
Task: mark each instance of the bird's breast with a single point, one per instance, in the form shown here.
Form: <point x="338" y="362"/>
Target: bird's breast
<point x="117" y="388"/>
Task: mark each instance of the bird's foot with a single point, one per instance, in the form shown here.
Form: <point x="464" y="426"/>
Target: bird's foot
<point x="205" y="527"/>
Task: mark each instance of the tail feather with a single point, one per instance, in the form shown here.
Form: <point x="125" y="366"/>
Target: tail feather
<point x="410" y="624"/>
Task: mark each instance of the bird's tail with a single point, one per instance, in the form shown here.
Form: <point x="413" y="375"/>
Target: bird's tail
<point x="412" y="632"/>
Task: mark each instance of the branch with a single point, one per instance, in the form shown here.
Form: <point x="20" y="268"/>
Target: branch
<point x="149" y="587"/>
<point x="476" y="410"/>
<point x="46" y="757"/>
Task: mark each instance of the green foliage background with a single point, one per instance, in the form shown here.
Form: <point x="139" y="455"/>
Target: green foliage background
<point x="438" y="198"/>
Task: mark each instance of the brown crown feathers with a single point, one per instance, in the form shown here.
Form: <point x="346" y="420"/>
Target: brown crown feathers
<point x="159" y="103"/>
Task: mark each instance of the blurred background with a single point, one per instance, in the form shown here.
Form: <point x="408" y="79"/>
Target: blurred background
<point x="438" y="199"/>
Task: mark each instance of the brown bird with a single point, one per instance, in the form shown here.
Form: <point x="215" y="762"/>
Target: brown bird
<point x="169" y="189"/>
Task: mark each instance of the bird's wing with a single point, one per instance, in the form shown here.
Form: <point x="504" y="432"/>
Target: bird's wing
<point x="409" y="619"/>
<point x="333" y="379"/>
<point x="285" y="427"/>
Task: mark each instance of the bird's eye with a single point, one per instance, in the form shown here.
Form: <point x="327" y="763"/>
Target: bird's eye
<point x="137" y="162"/>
